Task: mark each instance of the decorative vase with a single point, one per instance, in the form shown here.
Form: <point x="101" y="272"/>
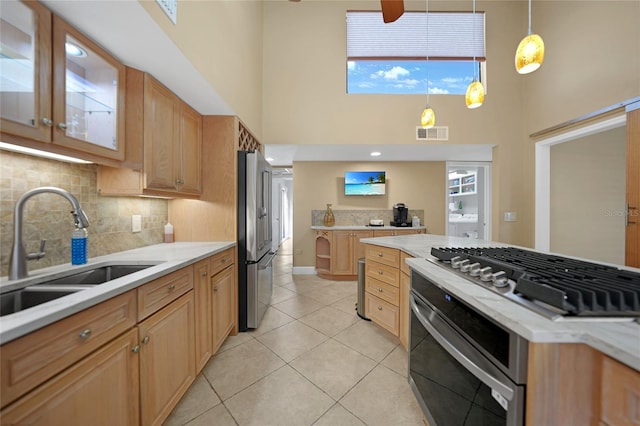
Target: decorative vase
<point x="329" y="218"/>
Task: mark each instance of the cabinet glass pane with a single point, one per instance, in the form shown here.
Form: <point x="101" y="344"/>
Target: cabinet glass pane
<point x="17" y="63"/>
<point x="91" y="96"/>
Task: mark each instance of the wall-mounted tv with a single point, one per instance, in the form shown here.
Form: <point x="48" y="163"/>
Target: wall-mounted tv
<point x="364" y="183"/>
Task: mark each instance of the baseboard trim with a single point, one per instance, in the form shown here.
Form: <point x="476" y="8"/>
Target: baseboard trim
<point x="303" y="270"/>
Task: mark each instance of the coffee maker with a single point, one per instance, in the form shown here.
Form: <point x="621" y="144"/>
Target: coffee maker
<point x="400" y="213"/>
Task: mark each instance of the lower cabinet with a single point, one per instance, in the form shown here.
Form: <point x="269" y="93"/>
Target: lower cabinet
<point x="337" y="253"/>
<point x="167" y="359"/>
<point x="223" y="301"/>
<point x="102" y="389"/>
<point x="125" y="361"/>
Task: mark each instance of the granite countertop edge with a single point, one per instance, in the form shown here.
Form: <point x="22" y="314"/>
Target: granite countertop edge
<point x="164" y="258"/>
<point x="617" y="338"/>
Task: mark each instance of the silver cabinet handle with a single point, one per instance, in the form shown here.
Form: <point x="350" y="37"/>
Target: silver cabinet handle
<point x="204" y="273"/>
<point x="172" y="287"/>
<point x="62" y="126"/>
<point x="84" y="334"/>
<point x="47" y="121"/>
<point x="135" y="349"/>
<point x="380" y="272"/>
<point x="379" y="308"/>
<point x="380" y="255"/>
<point x="380" y="290"/>
<point x="145" y="340"/>
<point x="215" y="288"/>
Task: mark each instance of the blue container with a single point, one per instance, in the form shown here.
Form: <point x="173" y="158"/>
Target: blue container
<point x="79" y="247"/>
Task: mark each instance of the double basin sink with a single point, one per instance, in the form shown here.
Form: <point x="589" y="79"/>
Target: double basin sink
<point x="36" y="294"/>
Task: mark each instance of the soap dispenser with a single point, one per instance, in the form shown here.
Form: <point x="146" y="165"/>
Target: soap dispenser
<point x="79" y="246"/>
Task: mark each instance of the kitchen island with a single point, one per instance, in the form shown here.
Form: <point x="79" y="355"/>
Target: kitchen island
<point x="580" y="370"/>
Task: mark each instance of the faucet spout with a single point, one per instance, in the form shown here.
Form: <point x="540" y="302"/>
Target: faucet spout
<point x="19" y="257"/>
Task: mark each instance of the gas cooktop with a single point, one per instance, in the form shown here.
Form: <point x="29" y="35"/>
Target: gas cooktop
<point x="551" y="285"/>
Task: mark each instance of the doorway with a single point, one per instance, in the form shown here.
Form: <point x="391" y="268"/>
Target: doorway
<point x="282" y="191"/>
<point x="468" y="204"/>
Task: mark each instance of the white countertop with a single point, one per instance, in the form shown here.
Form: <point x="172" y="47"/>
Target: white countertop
<point x="618" y="338"/>
<point x="166" y="258"/>
<point x="365" y="228"/>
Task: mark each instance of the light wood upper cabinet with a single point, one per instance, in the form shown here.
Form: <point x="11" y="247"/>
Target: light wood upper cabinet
<point x="25" y="104"/>
<point x="55" y="100"/>
<point x="166" y="135"/>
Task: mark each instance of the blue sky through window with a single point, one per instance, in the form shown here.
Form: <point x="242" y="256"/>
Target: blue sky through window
<point x="409" y="77"/>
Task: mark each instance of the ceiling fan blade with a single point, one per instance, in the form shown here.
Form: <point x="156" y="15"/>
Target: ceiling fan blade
<point x="391" y="10"/>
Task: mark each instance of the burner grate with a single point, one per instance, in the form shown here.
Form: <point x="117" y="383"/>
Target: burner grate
<point x="577" y="287"/>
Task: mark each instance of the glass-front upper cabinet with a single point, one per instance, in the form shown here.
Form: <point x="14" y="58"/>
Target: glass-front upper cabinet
<point x="57" y="86"/>
<point x="88" y="97"/>
<point x="25" y="70"/>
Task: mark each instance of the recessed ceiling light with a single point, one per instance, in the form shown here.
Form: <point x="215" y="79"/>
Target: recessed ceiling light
<point x="375" y="154"/>
<point x="269" y="159"/>
<point x="74" y="50"/>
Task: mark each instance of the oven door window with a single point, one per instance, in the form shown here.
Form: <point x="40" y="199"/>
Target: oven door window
<point x="450" y="392"/>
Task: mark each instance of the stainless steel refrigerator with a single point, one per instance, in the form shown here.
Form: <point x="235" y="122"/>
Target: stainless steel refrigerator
<point x="255" y="273"/>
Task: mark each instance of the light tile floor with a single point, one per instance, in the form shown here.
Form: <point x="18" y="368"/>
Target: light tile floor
<point x="312" y="361"/>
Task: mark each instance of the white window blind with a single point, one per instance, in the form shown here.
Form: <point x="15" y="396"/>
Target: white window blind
<point x="451" y="36"/>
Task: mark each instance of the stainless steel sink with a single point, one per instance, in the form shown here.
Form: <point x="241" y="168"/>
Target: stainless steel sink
<point x="98" y="275"/>
<point x="45" y="291"/>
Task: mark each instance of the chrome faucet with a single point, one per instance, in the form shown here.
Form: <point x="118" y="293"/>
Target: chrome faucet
<point x="19" y="257"/>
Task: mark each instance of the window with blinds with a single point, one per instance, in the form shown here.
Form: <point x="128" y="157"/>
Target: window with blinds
<point x="396" y="58"/>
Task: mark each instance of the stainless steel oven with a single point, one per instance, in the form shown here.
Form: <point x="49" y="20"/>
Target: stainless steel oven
<point x="464" y="368"/>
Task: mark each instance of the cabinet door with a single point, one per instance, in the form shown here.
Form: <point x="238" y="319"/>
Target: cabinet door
<point x="191" y="151"/>
<point x="203" y="314"/>
<point x="161" y="134"/>
<point x="25" y="74"/>
<point x="167" y="359"/>
<point x="88" y="95"/>
<point x="359" y="248"/>
<point x="222" y="285"/>
<point x="342" y="253"/>
<point x="102" y="389"/>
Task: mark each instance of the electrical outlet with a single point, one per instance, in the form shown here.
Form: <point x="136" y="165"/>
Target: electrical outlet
<point x="136" y="223"/>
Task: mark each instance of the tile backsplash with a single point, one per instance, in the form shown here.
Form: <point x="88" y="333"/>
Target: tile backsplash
<point x="47" y="216"/>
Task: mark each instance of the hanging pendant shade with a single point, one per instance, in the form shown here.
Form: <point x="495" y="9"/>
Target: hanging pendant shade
<point x="428" y="118"/>
<point x="530" y="54"/>
<point x="475" y="94"/>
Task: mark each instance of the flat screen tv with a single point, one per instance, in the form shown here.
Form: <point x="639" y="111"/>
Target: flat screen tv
<point x="364" y="183"/>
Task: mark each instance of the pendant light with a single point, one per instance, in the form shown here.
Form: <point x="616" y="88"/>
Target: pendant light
<point x="530" y="52"/>
<point x="428" y="117"/>
<point x="475" y="92"/>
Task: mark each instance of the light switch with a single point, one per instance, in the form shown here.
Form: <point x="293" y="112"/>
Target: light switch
<point x="136" y="223"/>
<point x="509" y="216"/>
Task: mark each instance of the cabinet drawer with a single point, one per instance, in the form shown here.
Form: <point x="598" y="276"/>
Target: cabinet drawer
<point x="381" y="272"/>
<point x="383" y="290"/>
<point x="222" y="260"/>
<point x="385" y="255"/>
<point x="33" y="359"/>
<point x="403" y="265"/>
<point x="382" y="313"/>
<point x="158" y="293"/>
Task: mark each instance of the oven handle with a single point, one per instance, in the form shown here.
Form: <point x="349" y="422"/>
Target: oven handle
<point x="445" y="335"/>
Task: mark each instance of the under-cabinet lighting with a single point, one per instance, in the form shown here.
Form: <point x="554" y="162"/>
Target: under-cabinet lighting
<point x="30" y="151"/>
<point x="375" y="154"/>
